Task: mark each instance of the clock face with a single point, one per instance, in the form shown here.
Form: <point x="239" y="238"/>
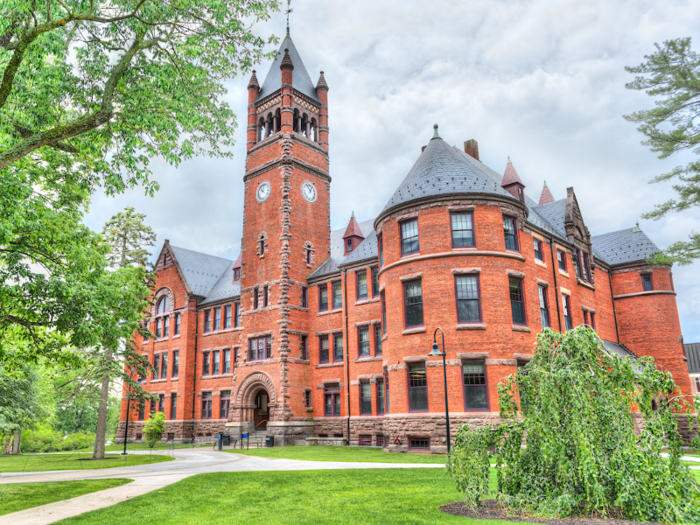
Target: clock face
<point x="263" y="192"/>
<point x="308" y="190"/>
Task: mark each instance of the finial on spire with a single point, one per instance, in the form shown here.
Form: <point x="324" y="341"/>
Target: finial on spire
<point x="353" y="214"/>
<point x="509" y="162"/>
<point x="253" y="84"/>
<point x="435" y="132"/>
<point x="289" y="10"/>
<point x="286" y="61"/>
<point x="636" y="229"/>
<point x="321" y="84"/>
<point x="545" y="184"/>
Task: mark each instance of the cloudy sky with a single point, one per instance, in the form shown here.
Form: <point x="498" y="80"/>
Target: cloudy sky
<point x="540" y="81"/>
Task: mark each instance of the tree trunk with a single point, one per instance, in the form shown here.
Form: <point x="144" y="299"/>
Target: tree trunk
<point x="18" y="442"/>
<point x="101" y="431"/>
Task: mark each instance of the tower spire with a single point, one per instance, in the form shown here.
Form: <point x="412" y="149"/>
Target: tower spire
<point x="289" y="10"/>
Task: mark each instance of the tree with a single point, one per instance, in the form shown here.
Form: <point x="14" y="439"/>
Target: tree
<point x="154" y="428"/>
<point x="582" y="455"/>
<point x="672" y="73"/>
<point x="127" y="236"/>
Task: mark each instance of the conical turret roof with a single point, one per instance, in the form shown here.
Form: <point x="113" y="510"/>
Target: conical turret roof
<point x="511" y="176"/>
<point x="353" y="229"/>
<point x="546" y="196"/>
<point x="300" y="80"/>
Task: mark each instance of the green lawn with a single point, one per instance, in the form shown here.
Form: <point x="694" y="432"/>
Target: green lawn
<point x="19" y="496"/>
<point x="42" y="462"/>
<point x="372" y="455"/>
<point x="372" y="496"/>
<point x="141" y="446"/>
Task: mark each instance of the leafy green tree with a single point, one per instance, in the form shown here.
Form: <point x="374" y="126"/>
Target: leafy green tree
<point x="582" y="455"/>
<point x="154" y="428"/>
<point x="673" y="74"/>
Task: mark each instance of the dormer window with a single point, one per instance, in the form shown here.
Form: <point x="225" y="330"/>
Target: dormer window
<point x="236" y="274"/>
<point x="348" y="246"/>
<point x="521" y="196"/>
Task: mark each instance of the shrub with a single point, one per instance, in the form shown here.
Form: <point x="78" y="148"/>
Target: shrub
<point x="154" y="428"/>
<point x="695" y="443"/>
<point x="582" y="455"/>
<point x="78" y="441"/>
<point x="43" y="438"/>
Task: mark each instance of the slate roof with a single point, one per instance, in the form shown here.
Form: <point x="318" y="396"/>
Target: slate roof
<point x="445" y="170"/>
<point x="692" y="352"/>
<point x="554" y="213"/>
<point x="209" y="276"/>
<point x="224" y="287"/>
<point x="510" y="176"/>
<point x="367" y="249"/>
<point x="624" y="246"/>
<point x="353" y="228"/>
<point x="300" y="78"/>
<point x="622" y="351"/>
<point x="330" y="265"/>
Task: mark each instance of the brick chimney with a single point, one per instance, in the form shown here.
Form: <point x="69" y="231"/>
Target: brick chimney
<point x="471" y="148"/>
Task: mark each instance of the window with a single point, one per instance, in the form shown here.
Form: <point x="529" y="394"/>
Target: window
<point x="363" y="341"/>
<point x="205" y="363"/>
<point x="224" y="404"/>
<point x="236" y="274"/>
<point x="227" y="316"/>
<point x="417" y="388"/>
<point x="475" y="393"/>
<point x="256" y="293"/>
<point x="517" y="305"/>
<point x="304" y="297"/>
<point x="141" y="410"/>
<point x="383" y="314"/>
<point x="177" y="324"/>
<point x="521" y="196"/>
<point x="577" y="263"/>
<point x="375" y="282"/>
<point x="262" y="248"/>
<point x="164" y="366"/>
<point x="386" y="389"/>
<point x="380" y="441"/>
<point x="139" y="437"/>
<point x="176" y="363"/>
<point x="304" y="347"/>
<point x="413" y="296"/>
<point x="163" y="306"/>
<point x="337" y="295"/>
<point x="409" y="237"/>
<point x="206" y="405"/>
<point x="265" y="296"/>
<point x="217" y="319"/>
<point x="561" y="257"/>
<point x="468" y="310"/>
<point x="538" y="250"/>
<point x="207" y="321"/>
<point x="166" y="326"/>
<point x="323" y="298"/>
<point x="377" y="339"/>
<point x="308" y="399"/>
<point x="227" y="361"/>
<point x="380" y="249"/>
<point x="585" y="318"/>
<point x="323" y="349"/>
<point x="697" y="385"/>
<point x="647" y="285"/>
<point x="156" y="366"/>
<point x="260" y="348"/>
<point x="157" y="328"/>
<point x="216" y="363"/>
<point x="331" y="397"/>
<point x="308" y="256"/>
<point x="238" y="315"/>
<point x="153" y="409"/>
<point x="173" y="406"/>
<point x="544" y="307"/>
<point x="566" y="301"/>
<point x="365" y="398"/>
<point x="365" y="441"/>
<point x="338" y="347"/>
<point x="348" y="245"/>
<point x="380" y="397"/>
<point x="361" y="278"/>
<point x="419" y="444"/>
<point x="161" y="403"/>
<point x="510" y="231"/>
<point x="593" y="320"/>
<point x="586" y="268"/>
<point x="462" y="229"/>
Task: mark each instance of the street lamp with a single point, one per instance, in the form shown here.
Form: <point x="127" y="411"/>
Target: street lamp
<point x="126" y="429"/>
<point x="435" y="352"/>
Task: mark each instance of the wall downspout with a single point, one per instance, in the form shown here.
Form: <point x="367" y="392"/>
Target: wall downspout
<point x="612" y="298"/>
<point x="194" y="379"/>
<point x="555" y="271"/>
<point x="347" y="348"/>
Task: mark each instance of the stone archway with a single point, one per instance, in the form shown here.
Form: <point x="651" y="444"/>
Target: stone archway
<point x="243" y="410"/>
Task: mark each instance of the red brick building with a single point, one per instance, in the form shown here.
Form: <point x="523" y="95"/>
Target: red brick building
<point x="320" y="334"/>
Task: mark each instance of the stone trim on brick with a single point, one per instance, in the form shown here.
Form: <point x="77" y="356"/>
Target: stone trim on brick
<point x="411" y="277"/>
<point x="331" y="381"/>
<point x="414" y="358"/>
<point x="515" y="273"/>
<point x="330" y="365"/>
<point x="501" y="362"/>
<point x="393" y="368"/>
<point x="461" y="209"/>
<point x="587" y="309"/>
<point x="540" y="263"/>
<point x="466" y="271"/>
<point x="472" y="326"/>
<point x="298" y="332"/>
<point x="367" y="301"/>
<point x="259" y="334"/>
<point x="565" y="291"/>
<point x="638" y="294"/>
<point x="523" y="357"/>
<point x="367" y="359"/>
<point x="411" y="331"/>
<point x="329" y="312"/>
<point x="519" y="328"/>
<point x="367" y="323"/>
<point x="542" y="283"/>
<point x="329" y="332"/>
<point x="461" y="253"/>
<point x="564" y="274"/>
<point x="584" y="284"/>
<point x="472" y="355"/>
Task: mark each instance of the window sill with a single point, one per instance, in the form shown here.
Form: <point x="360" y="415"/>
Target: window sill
<point x="585" y="284"/>
<point x="174" y="379"/>
<point x="520" y="328"/>
<point x="330" y="365"/>
<point x="409" y="255"/>
<point x="563" y="273"/>
<point x="159" y="380"/>
<point x="160" y="340"/>
<point x="540" y="263"/>
<point x="367" y="301"/>
<point x="368" y="359"/>
<point x="309" y="409"/>
<point x="217" y="376"/>
<point x="417" y="330"/>
<point x="224" y="331"/>
<point x="475" y="326"/>
<point x="329" y="312"/>
<point x="176" y="336"/>
<point x="463" y="248"/>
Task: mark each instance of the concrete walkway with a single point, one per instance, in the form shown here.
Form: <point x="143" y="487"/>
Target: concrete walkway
<point x="147" y="478"/>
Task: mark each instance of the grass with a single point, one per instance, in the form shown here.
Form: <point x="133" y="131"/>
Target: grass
<point x="46" y="462"/>
<point x="367" y="496"/>
<point x="19" y="496"/>
<point x="140" y="446"/>
<point x="371" y="455"/>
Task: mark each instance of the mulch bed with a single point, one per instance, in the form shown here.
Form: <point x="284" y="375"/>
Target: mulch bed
<point x="491" y="510"/>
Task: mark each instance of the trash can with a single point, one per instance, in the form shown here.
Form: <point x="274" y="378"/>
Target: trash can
<point x="270" y="441"/>
<point x="227" y="441"/>
<point x="219" y="441"/>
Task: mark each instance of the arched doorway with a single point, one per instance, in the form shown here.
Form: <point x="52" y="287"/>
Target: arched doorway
<point x="261" y="412"/>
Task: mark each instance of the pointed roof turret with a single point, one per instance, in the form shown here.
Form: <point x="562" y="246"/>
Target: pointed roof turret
<point x="353" y="235"/>
<point x="286" y="61"/>
<point x="302" y="81"/>
<point x="546" y="196"/>
<point x="321" y="84"/>
<point x="253" y="84"/>
<point x="510" y="176"/>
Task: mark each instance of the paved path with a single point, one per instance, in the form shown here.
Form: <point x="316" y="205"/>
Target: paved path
<point x="147" y="478"/>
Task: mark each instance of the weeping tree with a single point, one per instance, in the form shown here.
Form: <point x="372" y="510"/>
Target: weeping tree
<point x="572" y="409"/>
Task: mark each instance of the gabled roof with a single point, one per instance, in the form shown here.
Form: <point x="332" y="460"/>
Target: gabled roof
<point x="224" y="288"/>
<point x="510" y="176"/>
<point x="367" y="249"/>
<point x="445" y="170"/>
<point x="201" y="271"/>
<point x="300" y="78"/>
<point x="624" y="246"/>
<point x="554" y="213"/>
<point x="353" y="229"/>
<point x="330" y="265"/>
<point x="692" y="352"/>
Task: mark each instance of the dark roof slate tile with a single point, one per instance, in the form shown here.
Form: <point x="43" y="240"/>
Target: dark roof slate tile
<point x="300" y="78"/>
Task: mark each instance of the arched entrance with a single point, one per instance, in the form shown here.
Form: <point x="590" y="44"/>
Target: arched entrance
<point x="261" y="412"/>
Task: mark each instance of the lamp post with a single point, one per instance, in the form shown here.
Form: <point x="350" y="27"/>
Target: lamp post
<point x="435" y="352"/>
<point x="126" y="428"/>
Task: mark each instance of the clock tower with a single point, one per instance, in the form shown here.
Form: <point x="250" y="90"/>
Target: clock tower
<point x="286" y="228"/>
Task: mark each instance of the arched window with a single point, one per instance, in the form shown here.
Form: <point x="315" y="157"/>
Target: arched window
<point x="163" y="306"/>
<point x="261" y="129"/>
<point x="314" y="129"/>
<point x="163" y="317"/>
